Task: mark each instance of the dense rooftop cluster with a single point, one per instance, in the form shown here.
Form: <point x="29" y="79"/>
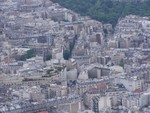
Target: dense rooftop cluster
<point x="53" y="60"/>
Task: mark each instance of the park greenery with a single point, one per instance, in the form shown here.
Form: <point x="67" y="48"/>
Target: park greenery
<point x="106" y="11"/>
<point x="29" y="54"/>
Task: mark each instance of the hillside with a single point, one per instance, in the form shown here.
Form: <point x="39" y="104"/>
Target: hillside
<point x="106" y="11"/>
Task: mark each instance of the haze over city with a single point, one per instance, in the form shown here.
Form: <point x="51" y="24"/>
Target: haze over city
<point x="80" y="56"/>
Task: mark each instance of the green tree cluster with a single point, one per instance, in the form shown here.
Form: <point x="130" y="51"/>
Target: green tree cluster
<point x="106" y="11"/>
<point x="68" y="52"/>
<point x="47" y="57"/>
<point x="30" y="53"/>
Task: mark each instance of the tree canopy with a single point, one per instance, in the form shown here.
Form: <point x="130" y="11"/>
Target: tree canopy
<point x="68" y="52"/>
<point x="30" y="53"/>
<point x="106" y="11"/>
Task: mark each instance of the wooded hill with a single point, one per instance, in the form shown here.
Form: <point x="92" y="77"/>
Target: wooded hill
<point x="106" y="11"/>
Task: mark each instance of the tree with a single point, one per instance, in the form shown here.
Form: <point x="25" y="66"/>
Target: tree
<point x="48" y="57"/>
<point x="30" y="53"/>
<point x="66" y="54"/>
<point x="121" y="63"/>
<point x="106" y="11"/>
<point x="71" y="46"/>
<point x="105" y="31"/>
<point x="23" y="58"/>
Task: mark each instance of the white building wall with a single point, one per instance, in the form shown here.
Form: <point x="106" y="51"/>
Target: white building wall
<point x="72" y="74"/>
<point x="104" y="102"/>
<point x="130" y="85"/>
